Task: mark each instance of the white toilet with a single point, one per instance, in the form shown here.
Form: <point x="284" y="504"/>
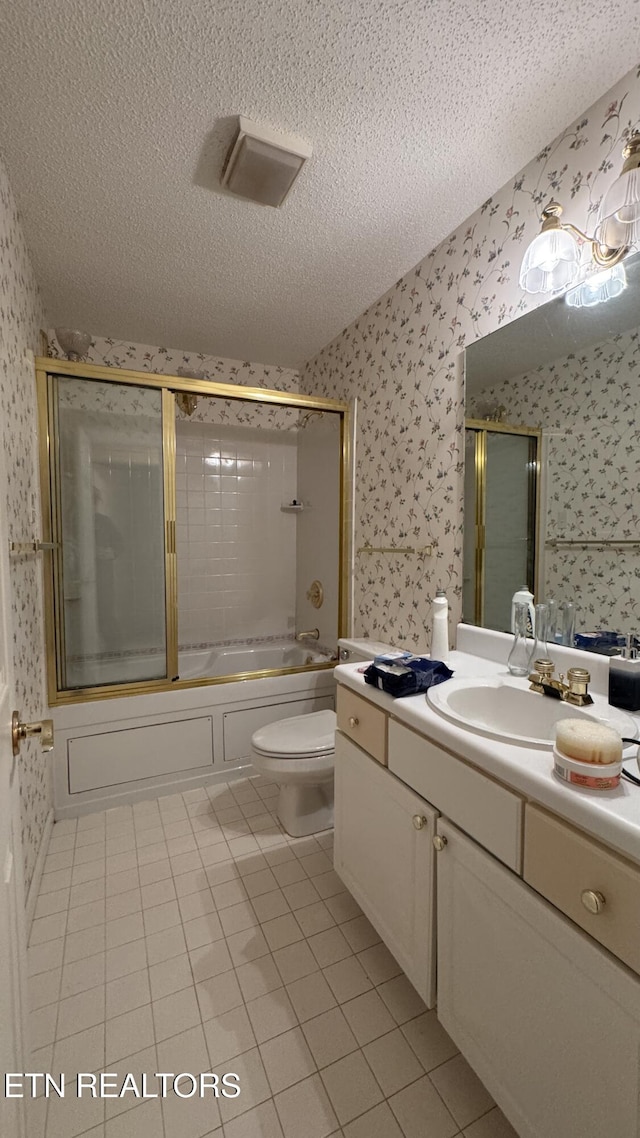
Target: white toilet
<point x="298" y="754"/>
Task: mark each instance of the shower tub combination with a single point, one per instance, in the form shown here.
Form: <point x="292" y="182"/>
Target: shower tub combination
<point x="109" y="752"/>
<point x="181" y="538"/>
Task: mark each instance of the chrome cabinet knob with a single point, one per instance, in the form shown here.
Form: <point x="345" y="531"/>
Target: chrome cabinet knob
<point x="19" y="731"/>
<point x="439" y="842"/>
<point x="353" y="721"/>
<point x="419" y="821"/>
<point x="593" y="901"/>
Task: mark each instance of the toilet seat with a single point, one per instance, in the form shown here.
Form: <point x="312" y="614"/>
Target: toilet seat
<point x="301" y="737"/>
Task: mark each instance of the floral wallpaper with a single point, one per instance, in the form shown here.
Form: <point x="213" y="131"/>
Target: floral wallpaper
<point x="21" y="318"/>
<point x="588" y="404"/>
<point x="402" y="359"/>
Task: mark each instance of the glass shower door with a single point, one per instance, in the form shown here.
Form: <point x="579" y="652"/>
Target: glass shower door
<point x="108" y="496"/>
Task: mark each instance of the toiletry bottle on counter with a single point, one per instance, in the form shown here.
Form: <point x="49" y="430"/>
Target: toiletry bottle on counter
<point x="523" y="597"/>
<point x="624" y="679"/>
<point x="440" y="627"/>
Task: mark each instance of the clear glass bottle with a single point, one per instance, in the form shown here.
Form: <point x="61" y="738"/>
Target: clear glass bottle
<point x="568" y="614"/>
<point x="540" y="650"/>
<point x="520" y="654"/>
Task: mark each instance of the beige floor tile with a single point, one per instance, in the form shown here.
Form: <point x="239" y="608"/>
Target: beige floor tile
<point x="253" y="1083"/>
<point x="128" y="1033"/>
<point x="287" y="1059"/>
<point x="289" y="872"/>
<point x="50" y="903"/>
<point x="258" y="977"/>
<point x="316" y="864"/>
<point x="125" y="929"/>
<point x="187" y="883"/>
<point x="271" y="1015"/>
<point x="464" y="1095"/>
<point x="329" y="1037"/>
<point x="123" y="904"/>
<point x="83" y="1051"/>
<point x="376" y="1123"/>
<point x="271" y="905"/>
<point x="141" y="1063"/>
<point x="49" y="928"/>
<point x="86" y="916"/>
<point x="218" y="995"/>
<point x="158" y="893"/>
<point x="314" y="918"/>
<point x="228" y="1035"/>
<point x="429" y="1040"/>
<point x="344" y="907"/>
<point x="195" y="905"/>
<point x="238" y="918"/>
<point x="126" y="958"/>
<point x="329" y="947"/>
<point x="190" y="1118"/>
<point x="79" y="1012"/>
<point x="82" y="975"/>
<point x="170" y="976"/>
<point x="228" y="893"/>
<point x="360" y="933"/>
<point x="247" y="945"/>
<point x="45" y="957"/>
<point x="77" y="946"/>
<point x="203" y="930"/>
<point x="122" y="882"/>
<point x="44" y="988"/>
<point x="310" y="996"/>
<point x="420" y="1110"/>
<point x="127" y="993"/>
<point x="143" y="1121"/>
<point x="163" y="945"/>
<point x="379" y="964"/>
<point x="491" y="1125"/>
<point x="160" y="917"/>
<point x="42" y="1025"/>
<point x="282" y="931"/>
<point x="210" y="960"/>
<point x="70" y="1115"/>
<point x="261" y="1122"/>
<point x="305" y="1110"/>
<point x="89" y="891"/>
<point x="295" y="961"/>
<point x="351" y="1087"/>
<point x="261" y="882"/>
<point x="300" y="894"/>
<point x="175" y="1013"/>
<point x="328" y="884"/>
<point x="402" y="1000"/>
<point x="347" y="979"/>
<point x="392" y="1062"/>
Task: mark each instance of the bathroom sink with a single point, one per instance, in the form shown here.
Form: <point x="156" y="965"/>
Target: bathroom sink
<point x="499" y="709"/>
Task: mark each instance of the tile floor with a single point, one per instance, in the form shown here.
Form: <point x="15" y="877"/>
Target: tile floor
<point x="188" y="933"/>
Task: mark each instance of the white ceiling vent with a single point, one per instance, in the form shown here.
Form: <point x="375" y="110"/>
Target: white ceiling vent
<point x="263" y="164"/>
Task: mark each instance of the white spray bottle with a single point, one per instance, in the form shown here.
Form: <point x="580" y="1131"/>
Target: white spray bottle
<point x="440" y="626"/>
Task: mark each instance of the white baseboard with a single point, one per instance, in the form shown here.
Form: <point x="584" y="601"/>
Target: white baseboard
<point x="34" y="887"/>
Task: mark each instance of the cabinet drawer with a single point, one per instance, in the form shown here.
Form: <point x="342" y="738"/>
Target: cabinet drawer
<point x="482" y="808"/>
<point x="563" y="865"/>
<point x="363" y="722"/>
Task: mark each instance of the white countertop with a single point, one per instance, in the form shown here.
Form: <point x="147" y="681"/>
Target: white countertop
<point x="612" y="816"/>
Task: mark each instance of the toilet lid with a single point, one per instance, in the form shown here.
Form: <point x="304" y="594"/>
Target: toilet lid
<point x="312" y="734"/>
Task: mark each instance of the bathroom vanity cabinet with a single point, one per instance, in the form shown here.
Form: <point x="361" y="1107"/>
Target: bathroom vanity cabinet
<point x="538" y="924"/>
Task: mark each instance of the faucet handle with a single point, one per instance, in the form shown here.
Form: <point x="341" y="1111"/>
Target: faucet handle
<point x="544" y="668"/>
<point x="578" y="679"/>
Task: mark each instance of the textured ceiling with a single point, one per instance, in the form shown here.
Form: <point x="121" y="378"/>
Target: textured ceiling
<point x="116" y="115"/>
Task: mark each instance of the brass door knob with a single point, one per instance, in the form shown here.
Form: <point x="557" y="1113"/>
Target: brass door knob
<point x="19" y="731"/>
<point x="353" y="721"/>
<point x="419" y="821"/>
<point x="439" y="842"/>
<point x="593" y="901"/>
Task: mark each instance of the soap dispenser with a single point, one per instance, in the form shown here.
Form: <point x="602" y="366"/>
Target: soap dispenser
<point x="440" y="627"/>
<point x="624" y="678"/>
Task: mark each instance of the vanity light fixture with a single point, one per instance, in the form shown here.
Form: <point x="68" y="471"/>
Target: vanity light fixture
<point x="619" y="215"/>
<point x="553" y="260"/>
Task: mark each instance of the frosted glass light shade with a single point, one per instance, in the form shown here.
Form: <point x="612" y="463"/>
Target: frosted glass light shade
<point x="598" y="287"/>
<point x="551" y="263"/>
<point x="619" y="217"/>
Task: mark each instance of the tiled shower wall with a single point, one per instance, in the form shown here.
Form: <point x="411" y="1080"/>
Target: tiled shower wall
<point x="236" y="546"/>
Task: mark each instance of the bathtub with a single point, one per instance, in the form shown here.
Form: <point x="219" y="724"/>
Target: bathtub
<point x="111" y="752"/>
<point x="237" y="658"/>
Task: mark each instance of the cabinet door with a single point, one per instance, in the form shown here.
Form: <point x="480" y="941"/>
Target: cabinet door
<point x="548" y="1019"/>
<point x="384" y="854"/>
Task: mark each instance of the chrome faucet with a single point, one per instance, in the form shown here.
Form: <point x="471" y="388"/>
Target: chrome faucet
<point x="311" y="634"/>
<point x="575" y="691"/>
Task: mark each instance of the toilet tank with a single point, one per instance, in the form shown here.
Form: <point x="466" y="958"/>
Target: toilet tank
<point x="350" y="651"/>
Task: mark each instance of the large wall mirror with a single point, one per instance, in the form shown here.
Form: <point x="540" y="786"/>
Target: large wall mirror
<point x="552" y="463"/>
